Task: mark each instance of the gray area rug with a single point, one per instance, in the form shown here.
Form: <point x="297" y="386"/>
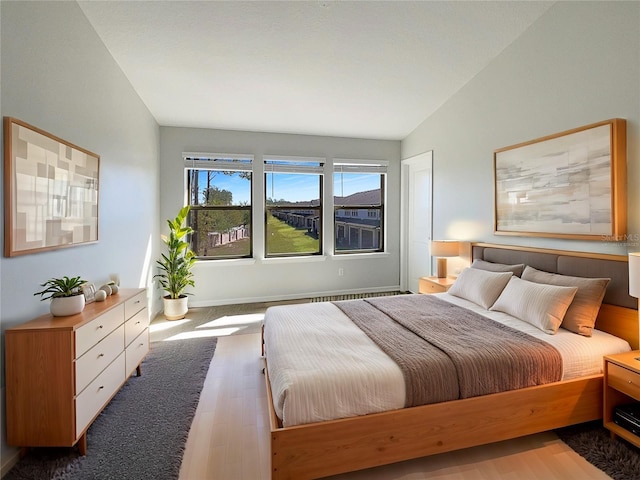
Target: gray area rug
<point x="617" y="458"/>
<point x="142" y="433"/>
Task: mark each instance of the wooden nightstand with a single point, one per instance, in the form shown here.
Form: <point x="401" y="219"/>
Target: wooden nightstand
<point x="621" y="387"/>
<point x="435" y="284"/>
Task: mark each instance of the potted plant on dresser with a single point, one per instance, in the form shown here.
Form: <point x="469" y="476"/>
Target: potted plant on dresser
<point x="66" y="295"/>
<point x="175" y="266"/>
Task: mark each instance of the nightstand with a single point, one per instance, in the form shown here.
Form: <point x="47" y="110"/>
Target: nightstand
<point x="435" y="284"/>
<point x="621" y="387"/>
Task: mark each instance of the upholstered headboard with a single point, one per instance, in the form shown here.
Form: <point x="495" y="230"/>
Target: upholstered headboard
<point x="622" y="322"/>
<point x="578" y="264"/>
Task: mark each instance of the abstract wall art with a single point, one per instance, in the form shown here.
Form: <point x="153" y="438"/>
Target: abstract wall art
<point x="567" y="185"/>
<point x="50" y="191"/>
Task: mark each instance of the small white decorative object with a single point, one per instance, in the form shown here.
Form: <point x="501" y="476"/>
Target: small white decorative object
<point x="100" y="296"/>
<point x="115" y="278"/>
<point x="114" y="288"/>
<point x="106" y="289"/>
<point x="64" y="306"/>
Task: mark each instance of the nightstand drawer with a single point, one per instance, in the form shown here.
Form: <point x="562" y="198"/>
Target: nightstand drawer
<point x="430" y="287"/>
<point x="624" y="380"/>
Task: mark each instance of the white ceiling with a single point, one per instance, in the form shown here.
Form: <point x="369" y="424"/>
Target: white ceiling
<point x="340" y="68"/>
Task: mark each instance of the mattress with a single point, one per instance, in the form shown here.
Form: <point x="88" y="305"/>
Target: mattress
<point x="322" y="366"/>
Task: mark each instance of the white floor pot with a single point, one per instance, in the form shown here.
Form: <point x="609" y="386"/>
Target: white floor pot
<point x="175" y="308"/>
<point x="64" y="306"/>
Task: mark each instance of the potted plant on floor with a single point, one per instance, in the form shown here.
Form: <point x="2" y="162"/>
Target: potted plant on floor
<point x="66" y="295"/>
<point x="175" y="266"/>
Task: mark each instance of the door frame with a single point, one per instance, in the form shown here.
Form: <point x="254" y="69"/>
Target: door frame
<point x="405" y="171"/>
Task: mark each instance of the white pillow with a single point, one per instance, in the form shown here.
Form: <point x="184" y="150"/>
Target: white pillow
<point x="583" y="311"/>
<point x="481" y="287"/>
<point x="541" y="305"/>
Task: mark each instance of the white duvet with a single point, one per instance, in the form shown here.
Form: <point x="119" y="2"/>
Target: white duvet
<point x="323" y="367"/>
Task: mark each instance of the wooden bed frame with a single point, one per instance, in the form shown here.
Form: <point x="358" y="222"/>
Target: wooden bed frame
<point x="327" y="448"/>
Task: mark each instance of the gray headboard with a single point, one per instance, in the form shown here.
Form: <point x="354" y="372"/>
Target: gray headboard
<point x="579" y="264"/>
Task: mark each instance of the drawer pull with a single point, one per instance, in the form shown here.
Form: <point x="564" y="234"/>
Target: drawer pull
<point x="630" y="382"/>
<point x="101" y="387"/>
<point x="136" y="302"/>
<point x="138" y="323"/>
<point x="101" y="355"/>
<point x="141" y="345"/>
<point x="100" y="326"/>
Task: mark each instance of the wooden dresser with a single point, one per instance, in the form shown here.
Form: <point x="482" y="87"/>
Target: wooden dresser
<point x="62" y="371"/>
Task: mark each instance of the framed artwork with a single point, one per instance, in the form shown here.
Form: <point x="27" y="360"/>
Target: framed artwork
<point x="50" y="191"/>
<point x="89" y="292"/>
<point x="568" y="185"/>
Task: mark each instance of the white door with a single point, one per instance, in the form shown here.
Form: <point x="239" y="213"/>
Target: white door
<point x="417" y="199"/>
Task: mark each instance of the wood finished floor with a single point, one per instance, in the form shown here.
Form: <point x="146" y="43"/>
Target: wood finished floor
<point x="229" y="437"/>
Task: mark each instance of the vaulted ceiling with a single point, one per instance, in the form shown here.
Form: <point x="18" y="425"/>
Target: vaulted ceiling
<point x="340" y="68"/>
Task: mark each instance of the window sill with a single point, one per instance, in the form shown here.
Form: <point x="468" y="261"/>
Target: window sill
<point x="226" y="262"/>
<point x="356" y="256"/>
<point x="300" y="259"/>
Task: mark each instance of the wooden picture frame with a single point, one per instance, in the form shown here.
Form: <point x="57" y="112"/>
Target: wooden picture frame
<point x="50" y="191"/>
<point x="567" y="185"/>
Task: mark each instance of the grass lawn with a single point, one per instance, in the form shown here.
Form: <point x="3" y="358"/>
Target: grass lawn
<point x="238" y="248"/>
<point x="283" y="238"/>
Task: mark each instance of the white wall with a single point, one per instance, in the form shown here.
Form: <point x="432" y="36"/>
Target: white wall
<point x="578" y="64"/>
<point x="236" y="281"/>
<point x="58" y="76"/>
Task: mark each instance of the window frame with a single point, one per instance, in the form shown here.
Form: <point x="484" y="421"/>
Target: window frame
<point x="374" y="167"/>
<point x="294" y="165"/>
<point x="221" y="163"/>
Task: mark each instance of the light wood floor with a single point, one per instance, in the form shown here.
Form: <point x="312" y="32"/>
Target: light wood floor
<point x="229" y="437"/>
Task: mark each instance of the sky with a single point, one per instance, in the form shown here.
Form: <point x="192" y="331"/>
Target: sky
<point x="295" y="187"/>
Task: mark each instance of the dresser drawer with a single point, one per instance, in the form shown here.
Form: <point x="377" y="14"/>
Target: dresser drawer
<point x="135" y="304"/>
<point x="98" y="393"/>
<point x="136" y="351"/>
<point x="89" y="365"/>
<point x="94" y="331"/>
<point x="624" y="380"/>
<point x="135" y="325"/>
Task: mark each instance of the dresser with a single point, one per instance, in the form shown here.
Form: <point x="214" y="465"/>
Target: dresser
<point x="62" y="371"/>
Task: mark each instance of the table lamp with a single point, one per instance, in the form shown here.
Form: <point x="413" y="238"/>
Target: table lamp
<point x="443" y="249"/>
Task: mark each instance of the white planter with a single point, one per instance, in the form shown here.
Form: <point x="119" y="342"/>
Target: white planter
<point x="64" y="306"/>
<point x="175" y="308"/>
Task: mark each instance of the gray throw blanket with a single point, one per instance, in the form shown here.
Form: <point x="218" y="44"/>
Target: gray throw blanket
<point x="447" y="352"/>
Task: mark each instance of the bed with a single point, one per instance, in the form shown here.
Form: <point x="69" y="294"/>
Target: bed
<point x="330" y="442"/>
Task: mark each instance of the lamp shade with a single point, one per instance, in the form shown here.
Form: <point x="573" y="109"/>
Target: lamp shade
<point x="634" y="274"/>
<point x="445" y="248"/>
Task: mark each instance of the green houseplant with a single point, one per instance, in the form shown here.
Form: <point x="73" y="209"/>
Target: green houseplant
<point x="65" y="293"/>
<point x="175" y="266"/>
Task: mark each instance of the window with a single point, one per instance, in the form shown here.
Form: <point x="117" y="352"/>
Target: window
<point x="293" y="206"/>
<point x="219" y="192"/>
<point x="359" y="193"/>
